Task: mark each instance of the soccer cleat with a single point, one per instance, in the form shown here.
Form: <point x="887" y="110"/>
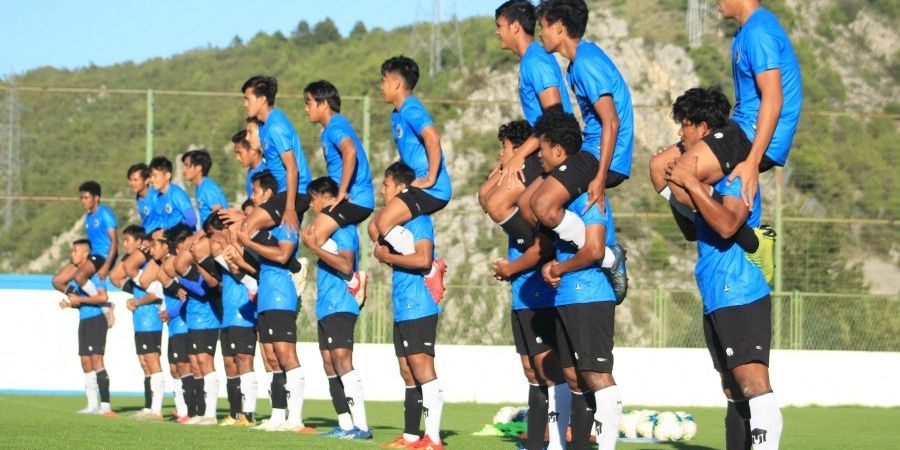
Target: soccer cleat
<point x="203" y="420"/>
<point x="617" y="274"/>
<point x="149" y="417"/>
<point x="435" y="282"/>
<point x="243" y="421"/>
<point x="184" y="420"/>
<point x="299" y="278"/>
<point x="357" y="435"/>
<point x="138" y="415"/>
<point x="88" y="410"/>
<point x="228" y="422"/>
<point x="359" y="291"/>
<point x="400" y="442"/>
<point x="108" y="413"/>
<point x="268" y="424"/>
<point x="764" y="256"/>
<point x="336" y="432"/>
<point x="427" y="444"/>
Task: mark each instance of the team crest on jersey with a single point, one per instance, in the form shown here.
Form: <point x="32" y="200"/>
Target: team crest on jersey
<point x="96" y="223"/>
<point x="146" y="210"/>
<point x="399" y="131"/>
<point x="168" y="208"/>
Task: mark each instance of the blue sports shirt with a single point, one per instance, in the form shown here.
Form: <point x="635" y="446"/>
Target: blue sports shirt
<point x="529" y="290"/>
<point x="277" y="136"/>
<point x="361" y="191"/>
<point x="176" y="311"/>
<point x="408" y="124"/>
<point x="277" y="290"/>
<point x="97" y="224"/>
<point x="588" y="284"/>
<point x="237" y="308"/>
<point x="539" y="71"/>
<point x="208" y="195"/>
<point x="174" y="207"/>
<point x="411" y="298"/>
<point x="203" y="313"/>
<point x="86" y="311"/>
<point x="145" y="208"/>
<point x="331" y="289"/>
<point x="145" y="317"/>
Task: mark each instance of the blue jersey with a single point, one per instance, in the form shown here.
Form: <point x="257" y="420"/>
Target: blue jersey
<point x="145" y="317"/>
<point x="408" y="124"/>
<point x="588" y="284"/>
<point x="277" y="290"/>
<point x="174" y="207"/>
<point x="208" y="195"/>
<point x="203" y="312"/>
<point x="529" y="290"/>
<point x="89" y="311"/>
<point x="761" y="45"/>
<point x="411" y="298"/>
<point x="145" y="209"/>
<point x="331" y="289"/>
<point x="237" y="309"/>
<point x="538" y="72"/>
<point x="250" y="173"/>
<point x="277" y="136"/>
<point x="361" y="190"/>
<point x="177" y="316"/>
<point x="592" y="75"/>
<point x="98" y="224"/>
<point x="724" y="275"/>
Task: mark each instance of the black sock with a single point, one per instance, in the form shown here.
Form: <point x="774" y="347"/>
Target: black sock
<point x="210" y="266"/>
<point x="187" y="389"/>
<point x="200" y="395"/>
<point x="338" y="399"/>
<point x="412" y="410"/>
<point x="233" y="387"/>
<point x="737" y="426"/>
<point x="173" y="288"/>
<point x="279" y="393"/>
<point x="192" y="274"/>
<point x="519" y="231"/>
<point x="103" y="385"/>
<point x="581" y="421"/>
<point x="745" y="237"/>
<point x="264" y="237"/>
<point x="128" y="286"/>
<point x="537" y="417"/>
<point x="148" y="394"/>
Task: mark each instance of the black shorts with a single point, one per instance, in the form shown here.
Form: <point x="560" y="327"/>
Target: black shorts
<point x="534" y="330"/>
<point x="346" y="213"/>
<point x="421" y="203"/>
<point x="275" y="206"/>
<point x="730" y="146"/>
<point x="277" y="325"/>
<point x="532" y="168"/>
<point x="147" y="342"/>
<point x="336" y="331"/>
<point x="236" y="340"/>
<point x="738" y="335"/>
<point x="415" y="336"/>
<point x="766" y="164"/>
<point x="586" y="336"/>
<point x="92" y="336"/>
<point x="98" y="260"/>
<point x="203" y="341"/>
<point x="178" y="348"/>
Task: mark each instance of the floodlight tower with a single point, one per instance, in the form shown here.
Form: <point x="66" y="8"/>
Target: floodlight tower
<point x="434" y="32"/>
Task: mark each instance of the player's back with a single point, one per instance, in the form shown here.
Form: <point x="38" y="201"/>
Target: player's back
<point x="411" y="298"/>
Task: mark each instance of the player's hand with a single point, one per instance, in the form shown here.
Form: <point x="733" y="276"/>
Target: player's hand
<point x="682" y="172"/>
<point x="308" y="236"/>
<point x="163" y="315"/>
<point x="63" y="304"/>
<point x="74" y="300"/>
<point x="547" y="272"/>
<point x="511" y="172"/>
<point x="341" y="196"/>
<point x="423" y="183"/>
<point x="231" y="215"/>
<point x="596" y="191"/>
<point x="381" y="253"/>
<point x="748" y="172"/>
<point x="103" y="272"/>
<point x="498" y="267"/>
<point x="131" y="304"/>
<point x="182" y="294"/>
<point x="289" y="220"/>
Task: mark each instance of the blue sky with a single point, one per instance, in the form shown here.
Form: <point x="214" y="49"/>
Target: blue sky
<point x="72" y="34"/>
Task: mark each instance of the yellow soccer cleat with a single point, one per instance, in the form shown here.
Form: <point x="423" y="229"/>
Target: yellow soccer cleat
<point x="764" y="256"/>
<point x="227" y="422"/>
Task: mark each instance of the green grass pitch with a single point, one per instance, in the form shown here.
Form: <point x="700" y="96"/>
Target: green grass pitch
<point x="51" y="422"/>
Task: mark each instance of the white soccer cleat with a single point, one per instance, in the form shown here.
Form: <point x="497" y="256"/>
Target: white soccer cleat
<point x="203" y="420"/>
<point x="88" y="410"/>
<point x="269" y="424"/>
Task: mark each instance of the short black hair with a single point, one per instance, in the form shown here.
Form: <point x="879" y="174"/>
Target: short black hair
<point x="91" y="187"/>
<point x="254" y="119"/>
<point x="400" y="172"/>
<point x="247" y="204"/>
<point x="263" y="86"/>
<point x="404" y="66"/>
<point x="699" y="105"/>
<point x="559" y="128"/>
<point x="266" y="181"/>
<point x="518" y="11"/>
<point x="139" y="167"/>
<point x="323" y="91"/>
<point x="82" y="242"/>
<point x="241" y="135"/>
<point x="323" y="185"/>
<point x="572" y="13"/>
<point x="213" y="222"/>
<point x="517" y="131"/>
<point x="135" y="231"/>
<point x="199" y="157"/>
<point x="161" y="163"/>
<point x="178" y="234"/>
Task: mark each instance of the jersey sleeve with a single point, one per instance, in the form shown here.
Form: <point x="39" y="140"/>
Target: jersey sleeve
<point x="182" y="203"/>
<point x="730" y="190"/>
<point x="593" y="81"/>
<point x="421" y="228"/>
<point x="593" y="216"/>
<point x="762" y="51"/>
<point x="417" y="117"/>
<point x="279" y="139"/>
<point x="336" y="134"/>
<point x="346" y="240"/>
<point x="541" y="75"/>
<point x="283" y="234"/>
<point x="109" y="219"/>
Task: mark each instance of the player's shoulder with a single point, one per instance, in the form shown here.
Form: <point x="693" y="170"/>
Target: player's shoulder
<point x="421" y="226"/>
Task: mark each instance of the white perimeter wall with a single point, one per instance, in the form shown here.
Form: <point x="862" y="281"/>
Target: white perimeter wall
<point x="39" y="348"/>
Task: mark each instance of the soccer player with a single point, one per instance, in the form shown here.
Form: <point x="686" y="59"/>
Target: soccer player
<point x="337" y="311"/>
<point x="145" y="308"/>
<point x="277" y="310"/>
<point x="248" y="156"/>
<point x="347" y="164"/>
<point x="585" y="301"/>
<point x="92" y="328"/>
<point x="419" y="145"/>
<point x="541" y="87"/>
<point x="534" y="320"/>
<point x="209" y="195"/>
<point x="737" y="308"/>
<point x="605" y="160"/>
<point x="415" y="320"/>
<point x="144" y="198"/>
<point x="100" y="225"/>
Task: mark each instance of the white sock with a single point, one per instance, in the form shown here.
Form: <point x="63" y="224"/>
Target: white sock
<point x="89" y="288"/>
<point x="156" y="289"/>
<point x="682" y="209"/>
<point x="432" y="271"/>
<point x="345" y="421"/>
<point x="180" y="405"/>
<point x="765" y="422"/>
<point x="211" y="390"/>
<point x="330" y="246"/>
<point x="401" y="239"/>
<point x="222" y="262"/>
<point x="559" y="406"/>
<point x="607" y="415"/>
<point x="250" y="283"/>
<point x="432" y="406"/>
<point x="248" y="391"/>
<point x="158" y="390"/>
<point x="571" y="228"/>
<point x="609" y="258"/>
<point x="269" y="376"/>
<point x="277" y="415"/>
<point x="137" y="278"/>
<point x="295" y="386"/>
<point x="354" y="393"/>
<point x="90" y="389"/>
<point x="104" y="407"/>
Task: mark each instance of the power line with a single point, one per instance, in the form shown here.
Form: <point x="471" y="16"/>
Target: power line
<point x="434" y="33"/>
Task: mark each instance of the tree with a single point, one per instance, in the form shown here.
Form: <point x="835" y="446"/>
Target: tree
<point x="302" y="33"/>
<point x="325" y="31"/>
<point x="359" y="30"/>
<point x="236" y="42"/>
